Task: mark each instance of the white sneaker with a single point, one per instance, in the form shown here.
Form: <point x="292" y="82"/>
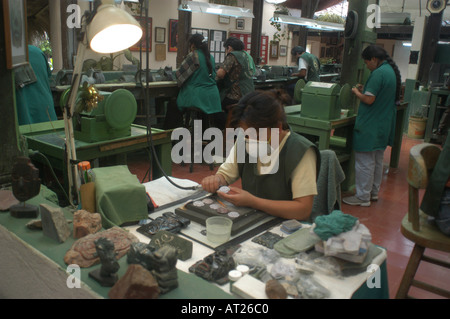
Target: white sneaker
<point x="355" y="201"/>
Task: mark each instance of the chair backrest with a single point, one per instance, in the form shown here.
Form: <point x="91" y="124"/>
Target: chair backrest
<point x="422" y="159"/>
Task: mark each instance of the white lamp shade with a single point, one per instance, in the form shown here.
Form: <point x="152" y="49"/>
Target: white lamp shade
<point x="112" y="30"/>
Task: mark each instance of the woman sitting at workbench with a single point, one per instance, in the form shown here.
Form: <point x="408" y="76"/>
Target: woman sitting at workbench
<point x="196" y="79"/>
<point x="287" y="192"/>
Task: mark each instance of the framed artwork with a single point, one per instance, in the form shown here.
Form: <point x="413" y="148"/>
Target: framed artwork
<point x="173" y="35"/>
<point x="160" y="35"/>
<point x="224" y="19"/>
<point x="146" y="25"/>
<point x="160" y="52"/>
<point x="14" y="12"/>
<point x="283" y="50"/>
<point x="240" y="24"/>
<point x="274" y="49"/>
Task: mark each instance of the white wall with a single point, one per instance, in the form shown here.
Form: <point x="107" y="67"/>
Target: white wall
<point x="161" y="11"/>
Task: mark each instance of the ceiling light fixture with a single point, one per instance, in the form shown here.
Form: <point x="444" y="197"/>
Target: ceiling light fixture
<point x="308" y="23"/>
<point x="211" y="8"/>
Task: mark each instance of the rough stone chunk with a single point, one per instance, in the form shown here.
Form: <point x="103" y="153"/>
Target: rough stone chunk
<point x="86" y="223"/>
<point x="274" y="290"/>
<point x="83" y="252"/>
<point x="137" y="283"/>
<point x="54" y="224"/>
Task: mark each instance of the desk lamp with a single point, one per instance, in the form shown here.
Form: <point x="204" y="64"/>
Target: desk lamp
<point x="107" y="29"/>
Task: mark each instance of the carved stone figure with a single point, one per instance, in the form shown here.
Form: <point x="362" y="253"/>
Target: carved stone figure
<point x="26" y="184"/>
<point x="107" y="274"/>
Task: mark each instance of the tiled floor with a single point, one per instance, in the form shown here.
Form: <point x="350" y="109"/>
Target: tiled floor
<point x="383" y="218"/>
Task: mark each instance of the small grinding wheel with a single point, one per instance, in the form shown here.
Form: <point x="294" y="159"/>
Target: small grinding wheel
<point x="120" y="109"/>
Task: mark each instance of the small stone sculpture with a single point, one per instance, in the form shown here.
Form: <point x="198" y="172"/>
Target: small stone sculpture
<point x="160" y="262"/>
<point x="107" y="274"/>
<point x="163" y="263"/>
<point x="26" y="184"/>
<point x="214" y="267"/>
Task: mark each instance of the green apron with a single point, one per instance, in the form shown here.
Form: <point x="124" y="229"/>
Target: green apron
<point x="245" y="80"/>
<point x="313" y="66"/>
<point x="200" y="89"/>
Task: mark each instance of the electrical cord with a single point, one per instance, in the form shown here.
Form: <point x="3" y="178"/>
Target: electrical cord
<point x="145" y="91"/>
<point x="33" y="153"/>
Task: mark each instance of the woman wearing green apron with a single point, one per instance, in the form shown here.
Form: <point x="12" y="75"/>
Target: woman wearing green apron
<point x="196" y="79"/>
<point x="375" y="123"/>
<point x="235" y="77"/>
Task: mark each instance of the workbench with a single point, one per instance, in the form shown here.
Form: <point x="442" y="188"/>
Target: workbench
<point x="158" y="93"/>
<point x="191" y="287"/>
<point x="49" y="139"/>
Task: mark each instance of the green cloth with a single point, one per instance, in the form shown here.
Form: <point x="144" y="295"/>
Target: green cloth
<point x="34" y="102"/>
<point x="375" y="124"/>
<point x="119" y="195"/>
<point x="200" y="89"/>
<point x="313" y="73"/>
<point x="277" y="186"/>
<point x="334" y="224"/>
<point x="299" y="241"/>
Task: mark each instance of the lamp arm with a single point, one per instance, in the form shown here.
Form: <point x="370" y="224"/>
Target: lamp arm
<point x="71" y="154"/>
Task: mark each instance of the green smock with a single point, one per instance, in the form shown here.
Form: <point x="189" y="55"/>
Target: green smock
<point x="245" y="80"/>
<point x="200" y="89"/>
<point x="313" y="66"/>
<point x="375" y="124"/>
<point x="34" y="102"/>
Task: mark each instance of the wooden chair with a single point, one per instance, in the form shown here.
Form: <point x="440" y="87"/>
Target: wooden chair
<point x="415" y="226"/>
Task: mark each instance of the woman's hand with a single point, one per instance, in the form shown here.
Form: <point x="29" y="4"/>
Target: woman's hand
<point x="212" y="183"/>
<point x="238" y="197"/>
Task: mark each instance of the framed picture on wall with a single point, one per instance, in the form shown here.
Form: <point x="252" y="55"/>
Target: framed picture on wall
<point x="274" y="49"/>
<point x="14" y="12"/>
<point x="203" y="32"/>
<point x="283" y="50"/>
<point x="160" y="35"/>
<point x="173" y="35"/>
<point x="240" y="24"/>
<point x="146" y="25"/>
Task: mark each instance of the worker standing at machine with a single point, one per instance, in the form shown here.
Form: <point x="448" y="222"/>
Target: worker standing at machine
<point x="375" y="123"/>
<point x="308" y="65"/>
<point x="308" y="68"/>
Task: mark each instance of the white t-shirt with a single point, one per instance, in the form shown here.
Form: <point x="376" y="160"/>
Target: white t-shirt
<point x="302" y="64"/>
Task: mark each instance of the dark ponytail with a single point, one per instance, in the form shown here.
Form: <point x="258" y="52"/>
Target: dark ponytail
<point x="200" y="43"/>
<point x="260" y="109"/>
<point x="373" y="51"/>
